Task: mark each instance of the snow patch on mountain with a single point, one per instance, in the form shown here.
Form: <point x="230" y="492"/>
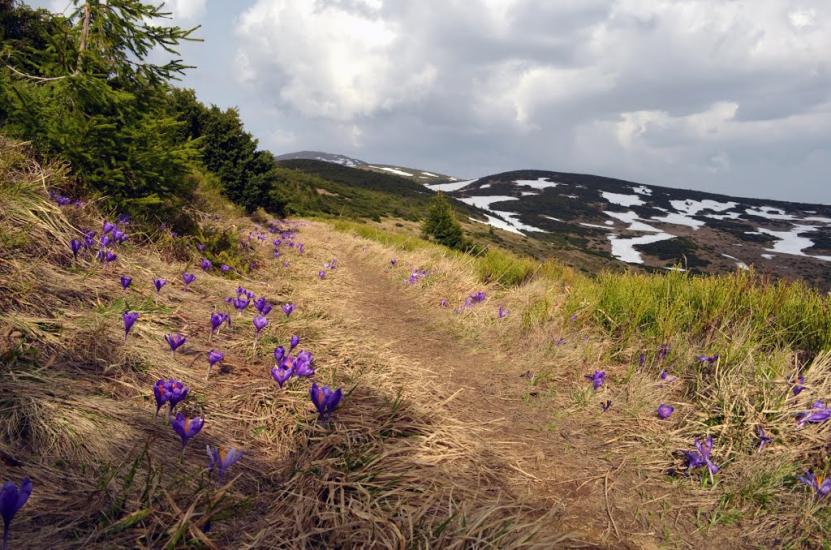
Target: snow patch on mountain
<point x="624" y="248"/>
<point x="642" y="190"/>
<point x="510" y="218"/>
<point x="622" y="200"/>
<point x="692" y="207"/>
<point x="679" y="219"/>
<point x="632" y="219"/>
<point x="791" y="243"/>
<point x="450" y="187"/>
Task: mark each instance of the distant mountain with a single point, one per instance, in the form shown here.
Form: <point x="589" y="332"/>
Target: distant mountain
<point x="343" y="160"/>
<point x="656" y="227"/>
<point x="414" y="174"/>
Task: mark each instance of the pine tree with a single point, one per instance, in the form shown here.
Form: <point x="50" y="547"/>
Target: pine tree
<point x="82" y="88"/>
<point x="441" y="224"/>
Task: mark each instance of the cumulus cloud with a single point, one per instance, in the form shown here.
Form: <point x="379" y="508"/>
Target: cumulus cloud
<point x="709" y="94"/>
<point x="186" y="9"/>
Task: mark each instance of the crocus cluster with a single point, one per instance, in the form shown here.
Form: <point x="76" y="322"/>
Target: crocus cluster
<point x="325" y="399"/>
<point x="415" y="276"/>
<point x="286" y="365"/>
<point x="169" y="391"/>
<point x="12" y="499"/>
<point x="262" y="306"/>
<point x="110" y="236"/>
<point x="475" y="298"/>
<point x="700" y="457"/>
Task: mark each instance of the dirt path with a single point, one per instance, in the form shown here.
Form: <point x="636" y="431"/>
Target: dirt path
<point x="558" y="469"/>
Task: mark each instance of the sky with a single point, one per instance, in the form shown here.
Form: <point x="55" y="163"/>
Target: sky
<point x="728" y="96"/>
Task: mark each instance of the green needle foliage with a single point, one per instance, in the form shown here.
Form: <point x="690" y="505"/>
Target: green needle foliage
<point x="81" y="88"/>
<point x="441" y="224"/>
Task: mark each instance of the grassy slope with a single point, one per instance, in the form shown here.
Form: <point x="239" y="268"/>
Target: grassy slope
<point x="401" y="463"/>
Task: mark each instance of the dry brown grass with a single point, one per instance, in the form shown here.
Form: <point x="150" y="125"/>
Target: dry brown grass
<point x="393" y="469"/>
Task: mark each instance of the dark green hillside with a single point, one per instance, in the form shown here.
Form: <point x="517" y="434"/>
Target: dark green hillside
<point x="352" y="192"/>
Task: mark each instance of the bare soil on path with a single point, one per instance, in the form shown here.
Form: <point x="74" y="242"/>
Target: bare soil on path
<point x="561" y="469"/>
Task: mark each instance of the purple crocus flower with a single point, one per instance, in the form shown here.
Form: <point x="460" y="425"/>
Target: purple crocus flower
<point x="443" y="303"/>
<point x="129" y="318"/>
<point x="799" y="386"/>
<point x="665" y="411"/>
<point x="215" y="357"/>
<point x="188" y="278"/>
<point x="325" y="400"/>
<point x="301" y="248"/>
<point x="225" y="268"/>
<point x="701" y="456"/>
<point x="119" y="236"/>
<point x="126" y="281"/>
<point x="169" y="391"/>
<point x="175" y="341"/>
<point x="262" y="305"/>
<point x="822" y="487"/>
<point x="279" y="353"/>
<point x="597" y="379"/>
<point x="477" y="297"/>
<point x="286" y="264"/>
<point x="503" y="312"/>
<point x="159" y="283"/>
<point x="293" y="342"/>
<point x="108" y="227"/>
<point x="187" y="428"/>
<point x="818" y="414"/>
<point x="321" y="274"/>
<point x="12" y="500"/>
<point x="304" y="365"/>
<point x="288" y="309"/>
<point x="107" y="256"/>
<point x="200" y="247"/>
<point x="393" y="262"/>
<point x="241" y="305"/>
<point x="667" y="377"/>
<point x="606" y="406"/>
<point x="89" y="239"/>
<point x="764" y="439"/>
<point x="222" y="459"/>
<point x="217" y="318"/>
<point x="205" y="264"/>
<point x="281" y="373"/>
<point x="641" y="360"/>
<point x="260" y="323"/>
<point x="105" y="240"/>
<point x="710" y="359"/>
<point x="75" y="245"/>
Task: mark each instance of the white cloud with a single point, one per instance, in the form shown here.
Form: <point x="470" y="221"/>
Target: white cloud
<point x="186" y="9"/>
<point x="331" y="59"/>
<point x="698" y="93"/>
